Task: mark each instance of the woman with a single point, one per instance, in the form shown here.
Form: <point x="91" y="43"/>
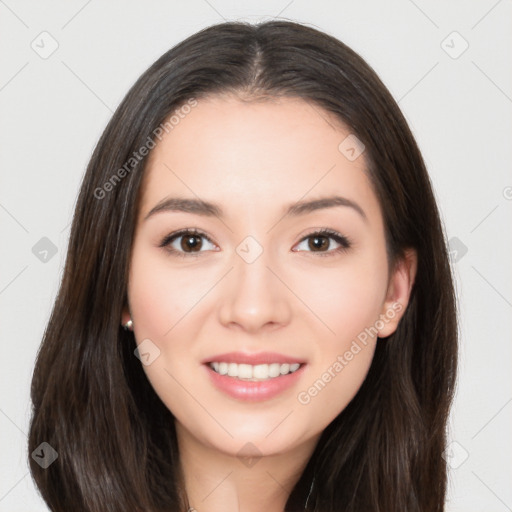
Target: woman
<point x="257" y="309"/>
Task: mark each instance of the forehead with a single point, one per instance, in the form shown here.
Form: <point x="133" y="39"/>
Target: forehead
<point x="255" y="155"/>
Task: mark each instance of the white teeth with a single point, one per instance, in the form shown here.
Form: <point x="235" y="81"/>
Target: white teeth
<point x="260" y="371"/>
<point x="245" y="371"/>
<point x="274" y="370"/>
<point x="233" y="370"/>
<point x="256" y="372"/>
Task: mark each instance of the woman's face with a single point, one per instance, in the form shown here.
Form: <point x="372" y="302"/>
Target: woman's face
<point x="292" y="316"/>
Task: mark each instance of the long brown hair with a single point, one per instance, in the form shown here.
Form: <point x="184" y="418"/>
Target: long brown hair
<point x="115" y="439"/>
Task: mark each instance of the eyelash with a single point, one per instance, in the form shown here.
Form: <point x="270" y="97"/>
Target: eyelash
<point x="345" y="242"/>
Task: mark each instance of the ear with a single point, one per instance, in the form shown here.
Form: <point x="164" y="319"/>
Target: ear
<point x="399" y="291"/>
<point x="125" y="315"/>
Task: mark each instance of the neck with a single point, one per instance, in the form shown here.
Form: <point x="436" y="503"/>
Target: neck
<point x="220" y="482"/>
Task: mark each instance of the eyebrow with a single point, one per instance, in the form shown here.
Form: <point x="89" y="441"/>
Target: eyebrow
<point x="209" y="209"/>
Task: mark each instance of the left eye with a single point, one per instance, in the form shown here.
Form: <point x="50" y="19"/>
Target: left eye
<point x="320" y="242"/>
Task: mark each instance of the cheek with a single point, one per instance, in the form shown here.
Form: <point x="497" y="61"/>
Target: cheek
<point x="341" y="360"/>
<point x="332" y="385"/>
<point x="159" y="295"/>
<point x="162" y="302"/>
<point x="160" y="299"/>
<point x="346" y="300"/>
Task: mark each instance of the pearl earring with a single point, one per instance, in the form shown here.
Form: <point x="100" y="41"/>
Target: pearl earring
<point x="128" y="326"/>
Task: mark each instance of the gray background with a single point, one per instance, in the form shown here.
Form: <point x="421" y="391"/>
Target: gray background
<point x="457" y="101"/>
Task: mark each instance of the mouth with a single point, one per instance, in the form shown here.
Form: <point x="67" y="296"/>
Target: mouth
<point x="253" y="373"/>
<point x="253" y="377"/>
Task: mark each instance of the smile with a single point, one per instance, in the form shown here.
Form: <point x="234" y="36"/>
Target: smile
<point x="254" y="377"/>
<point x="253" y="373"/>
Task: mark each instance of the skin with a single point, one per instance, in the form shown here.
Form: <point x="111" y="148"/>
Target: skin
<point x="254" y="159"/>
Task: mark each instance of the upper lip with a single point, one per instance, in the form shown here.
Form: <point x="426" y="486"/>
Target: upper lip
<point x="252" y="359"/>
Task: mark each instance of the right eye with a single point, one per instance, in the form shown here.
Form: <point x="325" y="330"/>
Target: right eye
<point x="187" y="242"/>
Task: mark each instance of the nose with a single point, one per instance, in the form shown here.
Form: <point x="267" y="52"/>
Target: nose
<point x="254" y="297"/>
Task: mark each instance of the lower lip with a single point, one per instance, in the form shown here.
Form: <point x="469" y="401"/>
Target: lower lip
<point x="251" y="391"/>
